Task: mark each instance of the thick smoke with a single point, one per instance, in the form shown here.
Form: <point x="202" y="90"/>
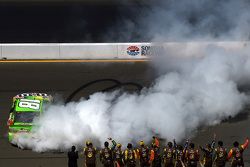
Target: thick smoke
<point x="182" y="20"/>
<point x="198" y="86"/>
<point x="195" y="91"/>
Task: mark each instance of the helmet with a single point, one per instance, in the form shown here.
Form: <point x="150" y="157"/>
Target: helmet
<point x="88" y="143"/>
<point x="141" y="143"/>
<point x="119" y="145"/>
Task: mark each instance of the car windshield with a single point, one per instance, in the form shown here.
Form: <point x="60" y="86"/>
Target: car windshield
<point x="25" y="117"/>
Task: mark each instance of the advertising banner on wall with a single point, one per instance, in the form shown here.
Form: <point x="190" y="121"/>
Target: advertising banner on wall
<point x="134" y="50"/>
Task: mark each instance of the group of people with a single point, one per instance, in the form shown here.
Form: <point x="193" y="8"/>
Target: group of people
<point x="172" y="155"/>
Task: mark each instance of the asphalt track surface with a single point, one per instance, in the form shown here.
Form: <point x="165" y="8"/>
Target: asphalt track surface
<point x="62" y="79"/>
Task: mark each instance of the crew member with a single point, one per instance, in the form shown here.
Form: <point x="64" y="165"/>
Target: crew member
<point x="179" y="156"/>
<point x="155" y="141"/>
<point x="192" y="156"/>
<point x="155" y="156"/>
<point x="236" y="153"/>
<point x="207" y="155"/>
<point x="143" y="154"/>
<point x="72" y="157"/>
<point x="168" y="155"/>
<point x="106" y="156"/>
<point x="113" y="143"/>
<point x="118" y="156"/>
<point x="186" y="145"/>
<point x="130" y="156"/>
<point x="90" y="155"/>
<point x="220" y="155"/>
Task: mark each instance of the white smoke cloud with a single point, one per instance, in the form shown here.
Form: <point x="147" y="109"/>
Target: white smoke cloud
<point x="199" y="84"/>
<point x="194" y="91"/>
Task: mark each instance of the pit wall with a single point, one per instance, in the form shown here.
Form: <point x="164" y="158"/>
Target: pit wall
<point x="110" y="50"/>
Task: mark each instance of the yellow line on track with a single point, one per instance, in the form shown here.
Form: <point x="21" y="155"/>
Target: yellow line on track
<point x="76" y="61"/>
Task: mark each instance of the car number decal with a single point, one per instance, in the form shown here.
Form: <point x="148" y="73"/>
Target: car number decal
<point x="27" y="103"/>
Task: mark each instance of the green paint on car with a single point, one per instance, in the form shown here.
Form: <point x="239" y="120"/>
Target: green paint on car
<point x="25" y="108"/>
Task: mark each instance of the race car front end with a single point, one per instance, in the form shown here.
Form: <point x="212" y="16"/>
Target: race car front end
<point x="25" y="109"/>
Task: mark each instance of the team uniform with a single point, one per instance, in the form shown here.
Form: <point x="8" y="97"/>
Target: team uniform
<point x="106" y="157"/>
<point x="130" y="157"/>
<point x="192" y="157"/>
<point x="90" y="156"/>
<point x="168" y="157"/>
<point x="155" y="157"/>
<point x="220" y="157"/>
<point x="237" y="155"/>
<point x="179" y="158"/>
<point x="143" y="155"/>
<point x="118" y="157"/>
<point x="208" y="154"/>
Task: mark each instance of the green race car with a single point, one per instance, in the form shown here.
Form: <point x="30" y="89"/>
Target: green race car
<point x="25" y="108"/>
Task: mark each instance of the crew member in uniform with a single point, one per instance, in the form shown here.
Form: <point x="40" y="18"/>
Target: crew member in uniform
<point x="207" y="155"/>
<point x="143" y="154"/>
<point x="179" y="156"/>
<point x="106" y="156"/>
<point x="192" y="156"/>
<point x="220" y="155"/>
<point x="130" y="156"/>
<point x="118" y="156"/>
<point x="155" y="156"/>
<point x="168" y="155"/>
<point x="90" y="155"/>
<point x="236" y="153"/>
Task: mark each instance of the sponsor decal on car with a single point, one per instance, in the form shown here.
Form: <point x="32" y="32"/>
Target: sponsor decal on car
<point x="133" y="50"/>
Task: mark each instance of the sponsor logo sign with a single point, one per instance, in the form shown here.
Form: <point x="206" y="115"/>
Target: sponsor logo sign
<point x="145" y="50"/>
<point x="133" y="50"/>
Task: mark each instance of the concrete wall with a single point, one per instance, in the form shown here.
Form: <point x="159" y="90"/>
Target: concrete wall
<point x="110" y="50"/>
<point x="88" y="51"/>
<point x="30" y="51"/>
<point x="1" y="51"/>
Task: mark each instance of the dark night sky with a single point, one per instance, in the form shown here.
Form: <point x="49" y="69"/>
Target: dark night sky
<point x="59" y="22"/>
